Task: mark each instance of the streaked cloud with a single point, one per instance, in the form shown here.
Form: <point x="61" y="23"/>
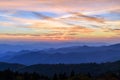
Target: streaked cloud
<point x="70" y="20"/>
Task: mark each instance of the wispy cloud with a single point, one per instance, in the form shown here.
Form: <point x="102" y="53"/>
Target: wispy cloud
<point x="75" y="20"/>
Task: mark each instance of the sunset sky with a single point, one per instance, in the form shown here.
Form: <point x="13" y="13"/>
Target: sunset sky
<point x="60" y="20"/>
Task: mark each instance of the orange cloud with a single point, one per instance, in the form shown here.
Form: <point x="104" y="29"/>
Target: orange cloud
<point x="74" y="23"/>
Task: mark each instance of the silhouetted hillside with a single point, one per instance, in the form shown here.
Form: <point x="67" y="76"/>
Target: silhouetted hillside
<point x="51" y="69"/>
<point x="11" y="75"/>
<point x="4" y="66"/>
<point x="93" y="68"/>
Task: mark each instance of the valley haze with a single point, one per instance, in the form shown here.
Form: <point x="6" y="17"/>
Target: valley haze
<point x="75" y="54"/>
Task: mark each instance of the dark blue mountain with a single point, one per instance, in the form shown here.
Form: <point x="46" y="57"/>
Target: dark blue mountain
<point x="17" y="46"/>
<point x="68" y="55"/>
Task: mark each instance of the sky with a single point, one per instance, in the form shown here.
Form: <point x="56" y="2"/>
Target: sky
<point x="60" y="20"/>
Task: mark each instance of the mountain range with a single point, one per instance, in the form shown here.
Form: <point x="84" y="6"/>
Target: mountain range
<point x="66" y="55"/>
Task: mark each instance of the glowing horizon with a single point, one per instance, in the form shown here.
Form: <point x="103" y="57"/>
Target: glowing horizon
<point x="60" y="20"/>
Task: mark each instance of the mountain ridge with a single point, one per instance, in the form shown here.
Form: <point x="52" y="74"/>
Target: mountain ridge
<point x="68" y="55"/>
<point x="51" y="69"/>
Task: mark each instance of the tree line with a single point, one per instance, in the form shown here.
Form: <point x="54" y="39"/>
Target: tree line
<point x="14" y="75"/>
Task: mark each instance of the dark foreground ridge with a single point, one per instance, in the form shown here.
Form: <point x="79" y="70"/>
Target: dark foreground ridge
<point x="88" y="71"/>
<point x="10" y="75"/>
<point x="51" y="69"/>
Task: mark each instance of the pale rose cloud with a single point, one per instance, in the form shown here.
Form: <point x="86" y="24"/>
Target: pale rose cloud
<point x="60" y="5"/>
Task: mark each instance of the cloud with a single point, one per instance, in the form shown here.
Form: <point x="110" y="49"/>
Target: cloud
<point x="75" y="20"/>
<point x="63" y="28"/>
<point x="41" y="16"/>
<point x="60" y="6"/>
<point x="79" y="16"/>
